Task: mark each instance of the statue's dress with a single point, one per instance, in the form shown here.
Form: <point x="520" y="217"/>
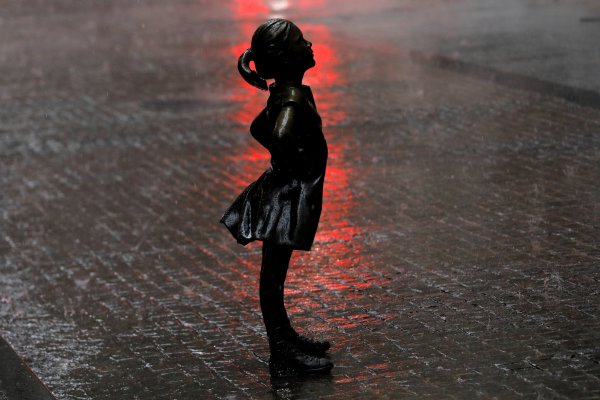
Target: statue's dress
<point x="284" y="205"/>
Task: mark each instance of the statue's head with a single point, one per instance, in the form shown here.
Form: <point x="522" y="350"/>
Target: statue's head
<point x="278" y="48"/>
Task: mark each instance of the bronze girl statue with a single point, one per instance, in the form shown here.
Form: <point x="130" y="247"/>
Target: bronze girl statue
<point x="282" y="208"/>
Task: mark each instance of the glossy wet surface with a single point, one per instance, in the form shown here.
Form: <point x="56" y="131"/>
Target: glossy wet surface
<point x="457" y="254"/>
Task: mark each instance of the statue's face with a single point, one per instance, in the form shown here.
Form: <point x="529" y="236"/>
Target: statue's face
<point x="300" y="54"/>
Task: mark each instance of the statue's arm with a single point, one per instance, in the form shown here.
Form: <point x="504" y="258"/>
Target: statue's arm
<point x="285" y="138"/>
<point x="284" y="125"/>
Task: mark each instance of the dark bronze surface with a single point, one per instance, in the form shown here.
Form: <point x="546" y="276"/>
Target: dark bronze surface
<point x="282" y="208"/>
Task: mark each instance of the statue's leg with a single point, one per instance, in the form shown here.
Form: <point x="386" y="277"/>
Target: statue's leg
<point x="273" y="271"/>
<point x="287" y="353"/>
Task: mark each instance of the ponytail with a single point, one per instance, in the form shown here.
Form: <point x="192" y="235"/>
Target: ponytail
<point x="247" y="73"/>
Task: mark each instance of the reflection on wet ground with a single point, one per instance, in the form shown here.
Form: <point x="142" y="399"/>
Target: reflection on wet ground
<point x="305" y="387"/>
<point x="457" y="251"/>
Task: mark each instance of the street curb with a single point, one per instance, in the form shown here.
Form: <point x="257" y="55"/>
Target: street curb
<point x="17" y="380"/>
<point x="582" y="97"/>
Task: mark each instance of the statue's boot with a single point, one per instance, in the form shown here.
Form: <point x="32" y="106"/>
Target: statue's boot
<point x="287" y="358"/>
<point x="307" y="345"/>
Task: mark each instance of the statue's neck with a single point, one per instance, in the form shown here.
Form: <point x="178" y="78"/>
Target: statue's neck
<point x="289" y="80"/>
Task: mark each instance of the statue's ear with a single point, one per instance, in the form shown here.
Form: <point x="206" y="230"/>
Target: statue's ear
<point x="283" y="58"/>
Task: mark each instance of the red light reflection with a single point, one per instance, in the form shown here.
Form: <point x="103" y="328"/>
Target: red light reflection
<point x="307" y="4"/>
<point x="246" y="9"/>
<point x="324" y="77"/>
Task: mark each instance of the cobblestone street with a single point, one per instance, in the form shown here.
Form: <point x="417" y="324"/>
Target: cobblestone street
<point x="458" y="251"/>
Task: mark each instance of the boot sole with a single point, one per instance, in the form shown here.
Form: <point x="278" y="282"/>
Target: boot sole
<point x="285" y="369"/>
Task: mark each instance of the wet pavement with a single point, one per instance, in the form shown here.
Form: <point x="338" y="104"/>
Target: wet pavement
<point x="458" y="250"/>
